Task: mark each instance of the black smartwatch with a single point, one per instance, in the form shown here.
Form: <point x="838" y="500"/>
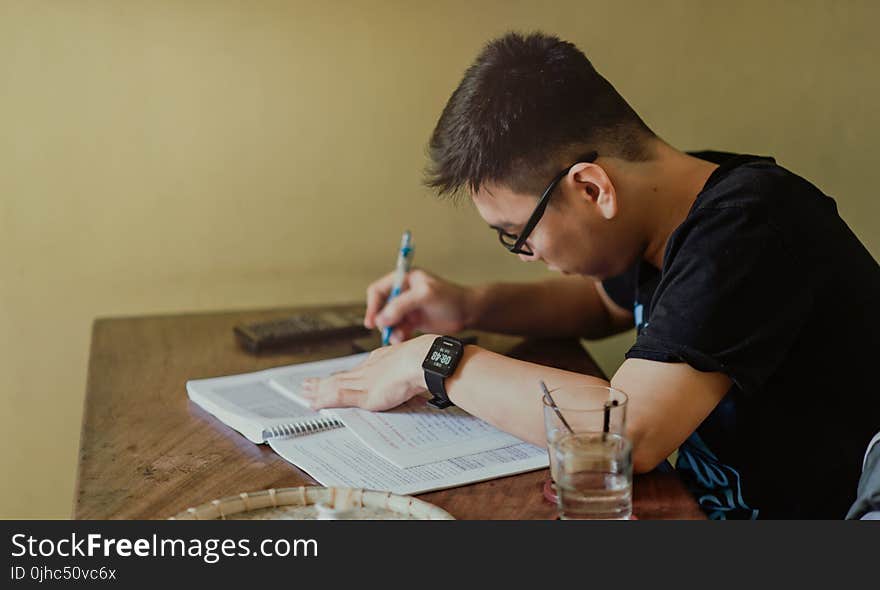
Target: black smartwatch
<point x="440" y="363"/>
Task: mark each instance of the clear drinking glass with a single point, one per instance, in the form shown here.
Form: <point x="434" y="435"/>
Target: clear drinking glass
<point x="594" y="476"/>
<point x="587" y="410"/>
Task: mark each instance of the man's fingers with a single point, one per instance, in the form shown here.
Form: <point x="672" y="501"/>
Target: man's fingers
<point x="333" y="392"/>
<point x="340" y="398"/>
<point x="377" y="294"/>
<point x="403" y="331"/>
<point x="315" y="385"/>
<point x="353" y="374"/>
<point x="398" y="308"/>
<point x="352" y="398"/>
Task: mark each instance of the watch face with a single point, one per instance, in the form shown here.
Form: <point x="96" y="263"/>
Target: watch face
<point x="443" y="357"/>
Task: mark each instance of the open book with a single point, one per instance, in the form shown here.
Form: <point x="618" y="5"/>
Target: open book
<point x="411" y="449"/>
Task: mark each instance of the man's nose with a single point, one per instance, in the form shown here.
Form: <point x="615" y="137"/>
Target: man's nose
<point x="533" y="257"/>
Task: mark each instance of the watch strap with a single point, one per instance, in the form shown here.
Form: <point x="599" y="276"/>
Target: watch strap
<point x="437" y="388"/>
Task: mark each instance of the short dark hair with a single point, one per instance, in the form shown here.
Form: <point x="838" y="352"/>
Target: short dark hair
<point x="525" y="106"/>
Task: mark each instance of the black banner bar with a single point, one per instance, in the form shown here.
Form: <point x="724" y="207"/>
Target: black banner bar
<point x="124" y="554"/>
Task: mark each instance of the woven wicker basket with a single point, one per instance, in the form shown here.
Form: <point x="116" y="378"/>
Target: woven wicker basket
<point x="315" y="502"/>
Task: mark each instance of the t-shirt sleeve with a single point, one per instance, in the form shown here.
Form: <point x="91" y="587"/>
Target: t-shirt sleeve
<point x="732" y="298"/>
<point x="622" y="288"/>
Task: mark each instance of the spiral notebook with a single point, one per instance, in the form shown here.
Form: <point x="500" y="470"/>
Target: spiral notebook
<point x="411" y="449"/>
<point x="256" y="406"/>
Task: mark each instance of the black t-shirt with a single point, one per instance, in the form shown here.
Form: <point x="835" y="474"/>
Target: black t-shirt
<point x="764" y="282"/>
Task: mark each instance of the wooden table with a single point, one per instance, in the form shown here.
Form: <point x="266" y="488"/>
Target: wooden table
<point x="147" y="452"/>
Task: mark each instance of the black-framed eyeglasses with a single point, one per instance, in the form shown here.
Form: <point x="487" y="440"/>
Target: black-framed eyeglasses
<point x="517" y="244"/>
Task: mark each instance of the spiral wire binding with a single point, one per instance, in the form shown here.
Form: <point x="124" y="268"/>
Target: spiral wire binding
<point x="307" y="427"/>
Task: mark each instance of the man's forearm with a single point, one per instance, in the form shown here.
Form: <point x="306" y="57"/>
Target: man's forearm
<point x="505" y="392"/>
<point x="554" y="308"/>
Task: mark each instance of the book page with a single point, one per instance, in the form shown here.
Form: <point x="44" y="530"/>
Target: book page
<point x="252" y="404"/>
<point x="289" y="379"/>
<point x="251" y="395"/>
<point x="248" y="403"/>
<point x="259" y="399"/>
<point x="338" y="458"/>
<point x="413" y="433"/>
<point x="257" y="393"/>
<point x="416" y="434"/>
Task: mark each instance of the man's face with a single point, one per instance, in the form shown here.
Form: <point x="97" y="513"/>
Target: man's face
<point x="574" y="236"/>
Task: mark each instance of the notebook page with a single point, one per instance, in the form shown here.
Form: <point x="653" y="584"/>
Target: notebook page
<point x="416" y="434"/>
<point x="413" y="433"/>
<point x="339" y="458"/>
<point x="288" y="379"/>
<point x="248" y="403"/>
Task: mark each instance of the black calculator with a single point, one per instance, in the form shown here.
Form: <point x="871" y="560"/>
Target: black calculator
<point x="301" y="328"/>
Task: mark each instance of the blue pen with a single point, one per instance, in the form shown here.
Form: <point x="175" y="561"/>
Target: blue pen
<point x="404" y="260"/>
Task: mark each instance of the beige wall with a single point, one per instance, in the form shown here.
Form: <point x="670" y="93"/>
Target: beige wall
<point x="167" y="156"/>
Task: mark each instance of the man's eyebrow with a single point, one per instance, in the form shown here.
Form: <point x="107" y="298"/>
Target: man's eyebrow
<point x="502" y="225"/>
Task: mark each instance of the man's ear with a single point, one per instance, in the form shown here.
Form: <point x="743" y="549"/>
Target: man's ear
<point x="592" y="182"/>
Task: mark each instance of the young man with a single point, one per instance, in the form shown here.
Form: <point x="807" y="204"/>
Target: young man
<point x="751" y="296"/>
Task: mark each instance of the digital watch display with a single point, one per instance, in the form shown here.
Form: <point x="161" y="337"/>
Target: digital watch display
<point x="440" y="362"/>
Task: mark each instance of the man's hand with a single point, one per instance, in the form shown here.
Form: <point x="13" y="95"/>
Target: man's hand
<point x="427" y="303"/>
<point x="390" y="376"/>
